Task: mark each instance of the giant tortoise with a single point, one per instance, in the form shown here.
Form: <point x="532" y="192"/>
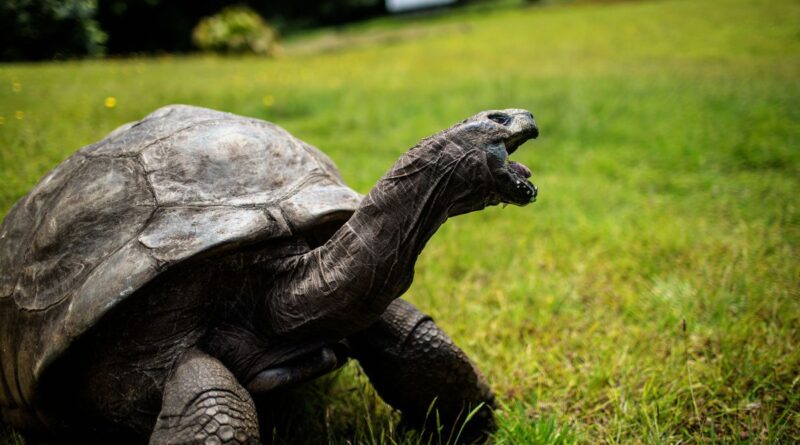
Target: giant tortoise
<point x="156" y="281"/>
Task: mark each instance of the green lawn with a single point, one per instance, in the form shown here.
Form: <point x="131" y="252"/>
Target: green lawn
<point x="650" y="296"/>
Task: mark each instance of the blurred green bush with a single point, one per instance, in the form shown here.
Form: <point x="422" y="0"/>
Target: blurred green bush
<point x="235" y="30"/>
<point x="48" y="29"/>
<point x="43" y="29"/>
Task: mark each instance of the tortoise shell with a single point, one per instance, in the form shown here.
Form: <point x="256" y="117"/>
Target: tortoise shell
<point x="182" y="182"/>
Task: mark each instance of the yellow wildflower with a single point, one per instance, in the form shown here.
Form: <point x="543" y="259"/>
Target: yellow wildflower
<point x="18" y="115"/>
<point x="16" y="86"/>
<point x="110" y="102"/>
<point x="268" y="100"/>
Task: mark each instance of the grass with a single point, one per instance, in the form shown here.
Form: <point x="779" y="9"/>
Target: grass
<point x="650" y="296"/>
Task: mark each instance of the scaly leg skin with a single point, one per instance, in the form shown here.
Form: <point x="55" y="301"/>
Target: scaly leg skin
<point x="204" y="404"/>
<point x="411" y="362"/>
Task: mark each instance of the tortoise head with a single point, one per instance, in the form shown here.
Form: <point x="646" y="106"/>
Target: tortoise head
<point x="491" y="136"/>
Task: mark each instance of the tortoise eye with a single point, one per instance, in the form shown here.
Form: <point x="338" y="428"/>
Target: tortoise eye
<point x="500" y="118"/>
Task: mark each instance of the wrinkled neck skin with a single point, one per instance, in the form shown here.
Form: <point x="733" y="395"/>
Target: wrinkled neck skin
<point x="401" y="213"/>
<point x="345" y="284"/>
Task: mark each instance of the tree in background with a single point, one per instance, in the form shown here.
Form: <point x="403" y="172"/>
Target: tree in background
<point x="46" y="29"/>
<point x="146" y="26"/>
<point x="152" y="26"/>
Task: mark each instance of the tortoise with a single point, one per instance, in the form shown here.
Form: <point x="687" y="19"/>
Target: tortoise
<point x="156" y="282"/>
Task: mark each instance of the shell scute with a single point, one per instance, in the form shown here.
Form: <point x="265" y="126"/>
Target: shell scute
<point x="176" y="232"/>
<point x="226" y="164"/>
<point x="102" y="205"/>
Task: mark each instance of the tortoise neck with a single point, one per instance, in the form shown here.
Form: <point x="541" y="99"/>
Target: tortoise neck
<point x="400" y="214"/>
<point x="370" y="260"/>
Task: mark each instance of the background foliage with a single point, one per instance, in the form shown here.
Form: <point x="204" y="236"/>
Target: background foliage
<point x="236" y="29"/>
<point x="44" y="29"/>
<point x="649" y="296"/>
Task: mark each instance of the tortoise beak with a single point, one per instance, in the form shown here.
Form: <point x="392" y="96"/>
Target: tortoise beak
<point x="514" y="185"/>
<point x="522" y="128"/>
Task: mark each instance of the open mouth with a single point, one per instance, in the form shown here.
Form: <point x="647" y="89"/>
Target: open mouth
<point x="521" y="191"/>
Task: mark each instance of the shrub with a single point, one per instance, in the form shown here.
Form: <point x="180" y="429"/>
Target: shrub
<point x="235" y="29"/>
<point x="42" y="29"/>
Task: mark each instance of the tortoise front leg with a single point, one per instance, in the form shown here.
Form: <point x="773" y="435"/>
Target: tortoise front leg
<point x="204" y="404"/>
<point x="411" y="362"/>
